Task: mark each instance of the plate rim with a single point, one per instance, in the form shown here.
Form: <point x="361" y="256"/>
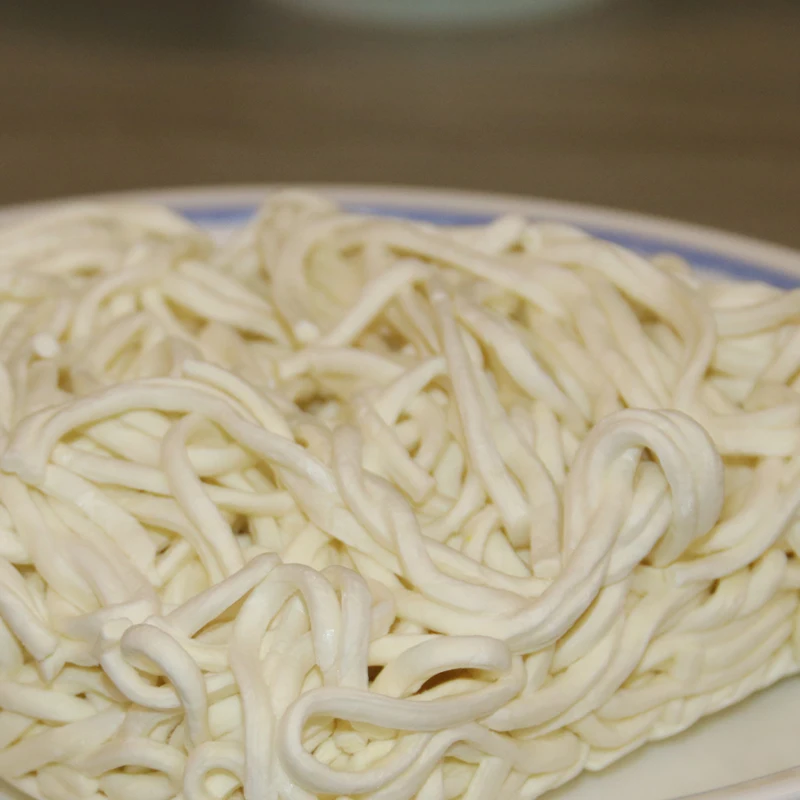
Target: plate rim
<point x="765" y="257"/>
<point x="773" y="256"/>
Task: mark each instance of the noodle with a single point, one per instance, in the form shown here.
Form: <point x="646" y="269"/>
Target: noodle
<point x="359" y="508"/>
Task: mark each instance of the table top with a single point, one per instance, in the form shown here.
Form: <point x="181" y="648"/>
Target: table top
<point x="683" y="108"/>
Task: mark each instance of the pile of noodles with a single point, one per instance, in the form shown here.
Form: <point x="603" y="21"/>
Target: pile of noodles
<point x="365" y="508"/>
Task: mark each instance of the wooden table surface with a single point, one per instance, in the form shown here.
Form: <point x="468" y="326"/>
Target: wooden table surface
<point x="685" y="108"/>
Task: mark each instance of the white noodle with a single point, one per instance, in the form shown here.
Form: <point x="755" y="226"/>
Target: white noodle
<point x="373" y="509"/>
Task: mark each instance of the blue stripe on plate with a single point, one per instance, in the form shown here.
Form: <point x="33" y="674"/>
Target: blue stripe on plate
<point x="646" y="245"/>
<point x="218" y="215"/>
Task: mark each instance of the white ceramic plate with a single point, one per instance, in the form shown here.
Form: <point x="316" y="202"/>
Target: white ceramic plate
<point x="439" y="14"/>
<point x="749" y="752"/>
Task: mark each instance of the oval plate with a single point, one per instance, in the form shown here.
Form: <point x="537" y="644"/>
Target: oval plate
<point x="749" y="752"/>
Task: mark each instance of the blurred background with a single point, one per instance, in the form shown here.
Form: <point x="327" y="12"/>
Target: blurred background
<point x="684" y="108"/>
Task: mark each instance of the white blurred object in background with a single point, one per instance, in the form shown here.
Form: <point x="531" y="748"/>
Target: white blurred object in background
<point x="436" y="13"/>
